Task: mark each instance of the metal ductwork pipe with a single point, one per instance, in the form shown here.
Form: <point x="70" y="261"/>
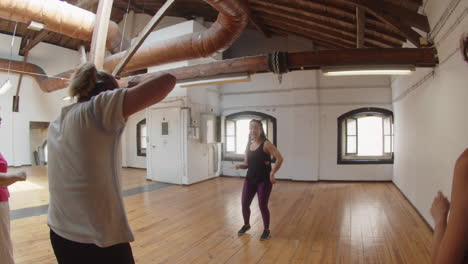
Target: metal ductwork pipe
<point x="232" y="19"/>
<point x="61" y="17"/>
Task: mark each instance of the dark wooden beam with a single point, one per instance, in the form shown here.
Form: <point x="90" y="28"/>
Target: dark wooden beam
<point x="25" y="39"/>
<point x="420" y="57"/>
<point x="142" y="36"/>
<point x="393" y="19"/>
<point x="20" y="79"/>
<point x="325" y="22"/>
<point x="259" y="26"/>
<point x="408" y="17"/>
<point x="98" y="43"/>
<point x="40" y="37"/>
<point x="89" y="5"/>
<point x="307" y="32"/>
<point x="133" y="6"/>
<point x="360" y="27"/>
<point x="315" y="41"/>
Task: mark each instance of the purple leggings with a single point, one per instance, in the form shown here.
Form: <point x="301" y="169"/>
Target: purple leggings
<point x="263" y="190"/>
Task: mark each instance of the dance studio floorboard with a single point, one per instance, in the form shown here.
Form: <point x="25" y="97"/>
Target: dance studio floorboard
<point x="311" y="223"/>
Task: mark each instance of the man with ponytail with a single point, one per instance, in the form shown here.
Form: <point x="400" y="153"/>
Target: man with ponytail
<point x="86" y="217"/>
<point x="260" y="176"/>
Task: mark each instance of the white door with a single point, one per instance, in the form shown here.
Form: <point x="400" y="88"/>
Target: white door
<point x="165" y="145"/>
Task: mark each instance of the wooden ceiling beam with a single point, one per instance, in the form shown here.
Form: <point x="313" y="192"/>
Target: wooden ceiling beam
<point x="315" y="41"/>
<point x="308" y="32"/>
<point x="408" y="4"/>
<point x="331" y="22"/>
<point x="349" y="42"/>
<point x="90" y="5"/>
<point x="360" y="27"/>
<point x="40" y="37"/>
<point x="411" y="18"/>
<point x="133" y="6"/>
<point x="330" y="29"/>
<point x="259" y="26"/>
<point x="25" y="39"/>
<point x="396" y="22"/>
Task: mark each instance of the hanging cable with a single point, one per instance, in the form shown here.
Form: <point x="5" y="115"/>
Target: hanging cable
<point x="36" y="74"/>
<point x="11" y="49"/>
<point x="124" y="25"/>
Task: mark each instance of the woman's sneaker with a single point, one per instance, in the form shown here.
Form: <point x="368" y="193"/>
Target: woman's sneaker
<point x="266" y="235"/>
<point x="244" y="229"/>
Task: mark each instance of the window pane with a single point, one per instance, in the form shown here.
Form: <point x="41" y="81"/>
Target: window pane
<point x="265" y="127"/>
<point x="388" y="144"/>
<point x="351" y="127"/>
<point x="351" y="144"/>
<point x="242" y="135"/>
<point x="143" y="142"/>
<point x="230" y="144"/>
<point x="370" y="140"/>
<point x="165" y="128"/>
<point x="387" y="126"/>
<point x="143" y="130"/>
<point x="230" y="129"/>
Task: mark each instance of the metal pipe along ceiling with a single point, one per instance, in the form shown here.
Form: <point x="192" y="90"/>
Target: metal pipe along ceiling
<point x="232" y="19"/>
<point x="75" y="22"/>
<point x="61" y="17"/>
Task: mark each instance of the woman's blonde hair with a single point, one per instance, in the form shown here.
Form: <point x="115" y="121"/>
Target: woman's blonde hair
<point x="87" y="82"/>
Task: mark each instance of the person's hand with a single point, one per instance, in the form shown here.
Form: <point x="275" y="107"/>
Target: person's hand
<point x="238" y="166"/>
<point x="272" y="178"/>
<point x="21" y="176"/>
<point x="440" y="208"/>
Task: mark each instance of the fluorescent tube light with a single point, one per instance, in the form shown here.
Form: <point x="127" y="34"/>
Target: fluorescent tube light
<point x="368" y="70"/>
<point x="224" y="78"/>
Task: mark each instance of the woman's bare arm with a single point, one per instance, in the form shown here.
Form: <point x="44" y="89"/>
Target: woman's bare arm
<point x="147" y="93"/>
<point x="7" y="179"/>
<point x="272" y="150"/>
<point x="453" y="242"/>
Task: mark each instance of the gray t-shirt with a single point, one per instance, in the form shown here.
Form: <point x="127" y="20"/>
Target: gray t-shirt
<point x="84" y="172"/>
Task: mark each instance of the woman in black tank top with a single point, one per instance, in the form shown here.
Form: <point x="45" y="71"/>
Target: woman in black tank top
<point x="260" y="175"/>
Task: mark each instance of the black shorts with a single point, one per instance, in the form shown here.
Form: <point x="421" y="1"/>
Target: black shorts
<point x="70" y="252"/>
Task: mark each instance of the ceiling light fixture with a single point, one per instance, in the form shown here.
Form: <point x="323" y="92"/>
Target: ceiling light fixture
<point x="36" y="26"/>
<point x="367" y="70"/>
<point x="219" y="79"/>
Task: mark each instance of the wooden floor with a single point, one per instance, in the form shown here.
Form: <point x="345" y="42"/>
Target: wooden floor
<point x="311" y="223"/>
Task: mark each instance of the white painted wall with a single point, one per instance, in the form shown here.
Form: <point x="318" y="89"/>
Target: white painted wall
<point x="35" y="105"/>
<point x="130" y="137"/>
<point x="309" y="143"/>
<point x="430" y="110"/>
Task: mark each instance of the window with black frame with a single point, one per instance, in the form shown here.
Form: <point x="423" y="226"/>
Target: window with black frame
<point x="141" y="138"/>
<point x="237" y="133"/>
<point x="365" y="136"/>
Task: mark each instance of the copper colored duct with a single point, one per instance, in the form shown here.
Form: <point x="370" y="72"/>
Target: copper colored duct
<point x="61" y="17"/>
<point x="232" y="19"/>
<point x="47" y="84"/>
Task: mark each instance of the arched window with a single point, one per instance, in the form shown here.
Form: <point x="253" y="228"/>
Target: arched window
<point x="141" y="138"/>
<point x="237" y="133"/>
<point x="365" y="136"/>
